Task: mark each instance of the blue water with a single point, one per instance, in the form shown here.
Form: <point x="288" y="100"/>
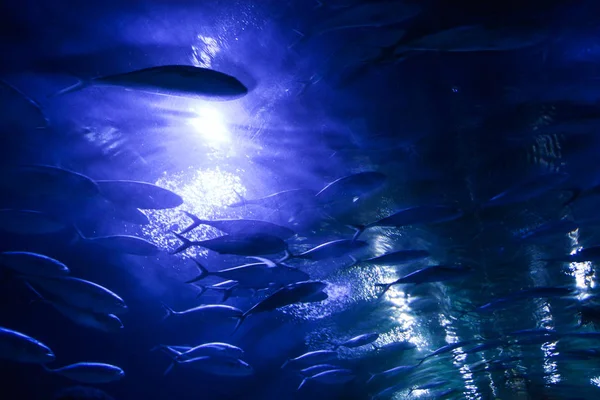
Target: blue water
<point x="445" y="128"/>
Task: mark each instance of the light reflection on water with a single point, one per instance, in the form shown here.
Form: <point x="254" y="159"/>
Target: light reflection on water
<point x="206" y="193"/>
<point x="582" y="271"/>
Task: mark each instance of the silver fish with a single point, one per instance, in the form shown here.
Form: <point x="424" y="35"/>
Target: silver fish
<point x="90" y="372"/>
<point x="27" y="263"/>
<point x="171" y="80"/>
<point x="16" y="346"/>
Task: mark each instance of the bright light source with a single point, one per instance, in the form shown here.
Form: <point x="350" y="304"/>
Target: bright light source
<point x="211" y="126"/>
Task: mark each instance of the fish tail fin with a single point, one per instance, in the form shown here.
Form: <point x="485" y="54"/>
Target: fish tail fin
<point x="241" y="202"/>
<point x="301" y="39"/>
<point x="303" y="382"/>
<point x="354" y="262"/>
<point x="70" y="89"/>
<point x="385" y="286"/>
<point x="183" y="246"/>
<point x="287" y="255"/>
<point x="371" y="377"/>
<point x="169" y="368"/>
<point x="38" y="297"/>
<point x="239" y="322"/>
<point x="46" y="368"/>
<point x="226" y="294"/>
<point x="358" y="230"/>
<point x="169" y="311"/>
<point x="203" y="272"/>
<point x="203" y="290"/>
<point x="196" y="222"/>
<point x="575" y="193"/>
<point x="78" y="235"/>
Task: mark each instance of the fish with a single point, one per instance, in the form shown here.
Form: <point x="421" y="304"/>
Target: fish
<point x="435" y="273"/>
<point x="18" y="347"/>
<point x="207" y="312"/>
<point x="229" y="289"/>
<point x="37" y="180"/>
<point x="28" y="263"/>
<point x="103" y="322"/>
<point x="215" y="349"/>
<point x="332" y="377"/>
<point x="81" y="294"/>
<point x="142" y="195"/>
<point x="447" y="349"/>
<point x="527" y="190"/>
<point x="29" y="222"/>
<point x="470" y="38"/>
<point x="220" y="366"/>
<point x="351" y="186"/>
<point x="311" y="358"/>
<point x="294" y="200"/>
<point x="241" y="227"/>
<point x="357" y="341"/>
<point x="289" y="294"/>
<point x="368" y="15"/>
<point x="19" y="108"/>
<point x="394" y="258"/>
<point x="560" y="227"/>
<point x="418" y="215"/>
<point x="123" y="244"/>
<point x="316" y="369"/>
<point x="392" y="373"/>
<point x="333" y="249"/>
<point x="218" y="350"/>
<point x="171" y="80"/>
<point x="242" y="245"/>
<point x="89" y="372"/>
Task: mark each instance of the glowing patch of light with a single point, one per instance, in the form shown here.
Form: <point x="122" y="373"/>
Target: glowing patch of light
<point x="204" y="51"/>
<point x="581" y="271"/>
<point x="551" y="374"/>
<point x="211" y="126"/>
<point x="206" y="194"/>
<point x="595" y="381"/>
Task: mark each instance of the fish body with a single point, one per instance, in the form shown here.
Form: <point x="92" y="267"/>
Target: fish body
<point x="39" y="180"/>
<point x="331" y="377"/>
<point x="351" y="186"/>
<point x="435" y="273"/>
<point x="292" y="200"/>
<point x="16" y="346"/>
<point x="311" y="358"/>
<point x="207" y="312"/>
<point x="221" y="366"/>
<point x="316" y="369"/>
<point x="102" y="322"/>
<point x="81" y="294"/>
<point x="27" y="263"/>
<point x="420" y="215"/>
<point x="140" y="195"/>
<point x="470" y="38"/>
<point x="360" y="340"/>
<point x="241" y="227"/>
<point x="527" y="190"/>
<point x="242" y="245"/>
<point x="90" y="372"/>
<point x="215" y="349"/>
<point x="333" y="249"/>
<point x="289" y="294"/>
<point x="125" y="244"/>
<point x="29" y="222"/>
<point x="392" y="373"/>
<point x="172" y="80"/>
<point x="397" y="257"/>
